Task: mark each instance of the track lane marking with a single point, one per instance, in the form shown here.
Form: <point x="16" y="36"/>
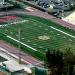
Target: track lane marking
<point x="6" y="51"/>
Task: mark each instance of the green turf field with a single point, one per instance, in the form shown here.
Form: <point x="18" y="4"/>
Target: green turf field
<point x="40" y="36"/>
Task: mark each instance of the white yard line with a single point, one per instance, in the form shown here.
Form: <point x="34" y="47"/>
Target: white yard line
<point x="62" y="32"/>
<point x="19" y="22"/>
<point x="22" y="43"/>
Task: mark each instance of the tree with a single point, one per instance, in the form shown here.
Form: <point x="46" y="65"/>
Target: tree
<point x="69" y="61"/>
<point x="49" y="58"/>
<point x="55" y="62"/>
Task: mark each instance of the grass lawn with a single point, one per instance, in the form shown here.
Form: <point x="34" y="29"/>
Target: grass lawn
<point x="41" y="35"/>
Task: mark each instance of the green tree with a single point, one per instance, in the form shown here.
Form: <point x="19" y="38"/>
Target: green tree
<point x="55" y="62"/>
<point x="69" y="61"/>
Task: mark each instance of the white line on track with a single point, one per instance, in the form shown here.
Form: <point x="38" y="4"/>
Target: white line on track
<point x="62" y="32"/>
<point x="22" y="43"/>
<point x="6" y="51"/>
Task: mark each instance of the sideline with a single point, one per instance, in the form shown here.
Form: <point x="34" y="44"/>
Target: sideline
<point x="58" y="30"/>
<point x="62" y="32"/>
<point x="22" y="43"/>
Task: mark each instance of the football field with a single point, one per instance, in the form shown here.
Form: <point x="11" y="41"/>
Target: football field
<point x="38" y="36"/>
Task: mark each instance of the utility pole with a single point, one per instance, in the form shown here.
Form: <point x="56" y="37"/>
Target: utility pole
<point x="19" y="46"/>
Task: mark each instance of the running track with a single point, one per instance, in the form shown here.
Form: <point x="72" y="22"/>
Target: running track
<point x="45" y="15"/>
<point x="10" y="48"/>
<point x="39" y="13"/>
<point x="42" y="14"/>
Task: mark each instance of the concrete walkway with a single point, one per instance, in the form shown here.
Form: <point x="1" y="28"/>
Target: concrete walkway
<point x="70" y="18"/>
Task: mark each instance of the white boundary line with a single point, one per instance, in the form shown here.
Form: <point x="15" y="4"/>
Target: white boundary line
<point x="58" y="30"/>
<point x="13" y="23"/>
<point x="22" y="43"/>
<point x="62" y="32"/>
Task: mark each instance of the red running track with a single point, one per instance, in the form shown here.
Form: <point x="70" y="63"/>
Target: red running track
<point x="45" y="15"/>
<point x="16" y="51"/>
